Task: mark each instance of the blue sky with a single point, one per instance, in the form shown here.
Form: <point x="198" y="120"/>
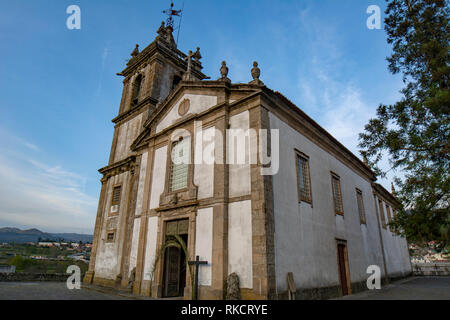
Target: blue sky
<point x="59" y="89"/>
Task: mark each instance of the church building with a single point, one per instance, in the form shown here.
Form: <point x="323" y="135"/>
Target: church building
<point x="238" y="175"/>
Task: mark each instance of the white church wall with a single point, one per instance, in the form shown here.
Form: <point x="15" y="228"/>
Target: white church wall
<point x="127" y="133"/>
<point x="203" y="171"/>
<point x="239" y="174"/>
<point x="134" y="244"/>
<point x="240" y="242"/>
<point x="198" y="104"/>
<point x="158" y="178"/>
<point x="109" y="253"/>
<point x="140" y="191"/>
<point x="305" y="235"/>
<point x="398" y="262"/>
<point x="203" y="243"/>
<point x="150" y="247"/>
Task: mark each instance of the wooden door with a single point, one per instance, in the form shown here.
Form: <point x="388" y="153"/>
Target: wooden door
<point x="172" y="272"/>
<point x="343" y="268"/>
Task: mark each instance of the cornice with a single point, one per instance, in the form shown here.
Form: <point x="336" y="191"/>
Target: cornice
<point x="385" y="194"/>
<point x="127" y="164"/>
<point x="135" y="109"/>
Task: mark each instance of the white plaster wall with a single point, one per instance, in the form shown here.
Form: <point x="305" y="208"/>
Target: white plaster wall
<point x="203" y="243"/>
<point x="150" y="247"/>
<point x="134" y="244"/>
<point x="240" y="242"/>
<point x="239" y="174"/>
<point x="198" y="104"/>
<point x="204" y="169"/>
<point x="305" y="235"/>
<point x="127" y="133"/>
<point x="140" y="191"/>
<point x="158" y="178"/>
<point x="109" y="254"/>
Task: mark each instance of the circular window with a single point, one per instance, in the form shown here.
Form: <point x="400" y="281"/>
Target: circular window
<point x="184" y="107"/>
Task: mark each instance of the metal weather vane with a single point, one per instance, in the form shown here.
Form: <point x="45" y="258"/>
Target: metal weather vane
<point x="172" y="13"/>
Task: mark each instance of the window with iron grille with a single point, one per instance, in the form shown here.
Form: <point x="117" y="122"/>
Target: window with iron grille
<point x="337" y="194"/>
<point x="180" y="164"/>
<point x="303" y="178"/>
<point x="359" y="199"/>
<point x="383" y="218"/>
<point x="116" y="195"/>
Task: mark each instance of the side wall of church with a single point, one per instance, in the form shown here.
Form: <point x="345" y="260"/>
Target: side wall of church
<point x="305" y="235"/>
<point x="127" y="132"/>
<point x="398" y="261"/>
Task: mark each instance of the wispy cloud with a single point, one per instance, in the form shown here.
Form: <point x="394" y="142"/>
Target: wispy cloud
<point x="35" y="194"/>
<point x="325" y="90"/>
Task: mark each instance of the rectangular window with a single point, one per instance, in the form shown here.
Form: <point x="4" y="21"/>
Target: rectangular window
<point x="180" y="164"/>
<point x="116" y="195"/>
<point x="383" y="218"/>
<point x="337" y="194"/>
<point x="388" y="213"/>
<point x="303" y="178"/>
<point x="359" y="199"/>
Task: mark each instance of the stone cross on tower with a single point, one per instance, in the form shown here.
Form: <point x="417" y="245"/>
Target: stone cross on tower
<point x="188" y="76"/>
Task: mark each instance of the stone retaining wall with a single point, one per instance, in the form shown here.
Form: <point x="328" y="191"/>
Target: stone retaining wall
<point x="21" y="277"/>
<point x="431" y="269"/>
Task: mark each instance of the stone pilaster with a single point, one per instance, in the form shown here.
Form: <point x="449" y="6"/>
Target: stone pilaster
<point x="262" y="220"/>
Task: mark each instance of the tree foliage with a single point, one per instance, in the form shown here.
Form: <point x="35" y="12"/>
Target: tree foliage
<point x="414" y="132"/>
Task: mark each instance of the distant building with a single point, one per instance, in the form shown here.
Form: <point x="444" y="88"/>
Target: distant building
<point x="5" y="268"/>
<point x="45" y="244"/>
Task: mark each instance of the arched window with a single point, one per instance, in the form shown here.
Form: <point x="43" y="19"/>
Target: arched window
<point x="176" y="80"/>
<point x="136" y="89"/>
<point x="181" y="154"/>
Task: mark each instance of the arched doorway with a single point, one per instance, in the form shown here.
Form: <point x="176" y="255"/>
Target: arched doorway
<point x="175" y="265"/>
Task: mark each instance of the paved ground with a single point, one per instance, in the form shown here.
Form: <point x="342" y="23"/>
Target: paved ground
<point x="415" y="288"/>
<point x="50" y="291"/>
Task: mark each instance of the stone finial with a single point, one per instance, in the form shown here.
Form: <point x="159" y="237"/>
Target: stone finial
<point x="392" y="188"/>
<point x="161" y="31"/>
<point x="256" y="72"/>
<point x="197" y="56"/>
<point x="135" y="52"/>
<point x="224" y="72"/>
<point x="169" y="36"/>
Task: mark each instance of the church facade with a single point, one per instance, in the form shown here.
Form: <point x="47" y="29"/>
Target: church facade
<point x="261" y="191"/>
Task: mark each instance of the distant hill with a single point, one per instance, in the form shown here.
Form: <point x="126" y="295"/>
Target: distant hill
<point x="33" y="235"/>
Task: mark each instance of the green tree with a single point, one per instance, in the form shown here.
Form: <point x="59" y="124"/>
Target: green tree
<point x="17" y="261"/>
<point x="414" y="132"/>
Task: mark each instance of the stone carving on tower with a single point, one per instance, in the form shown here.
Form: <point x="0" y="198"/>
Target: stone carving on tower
<point x="188" y="76"/>
<point x="135" y="52"/>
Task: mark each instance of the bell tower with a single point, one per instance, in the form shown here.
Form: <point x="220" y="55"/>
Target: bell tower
<point x="150" y="75"/>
